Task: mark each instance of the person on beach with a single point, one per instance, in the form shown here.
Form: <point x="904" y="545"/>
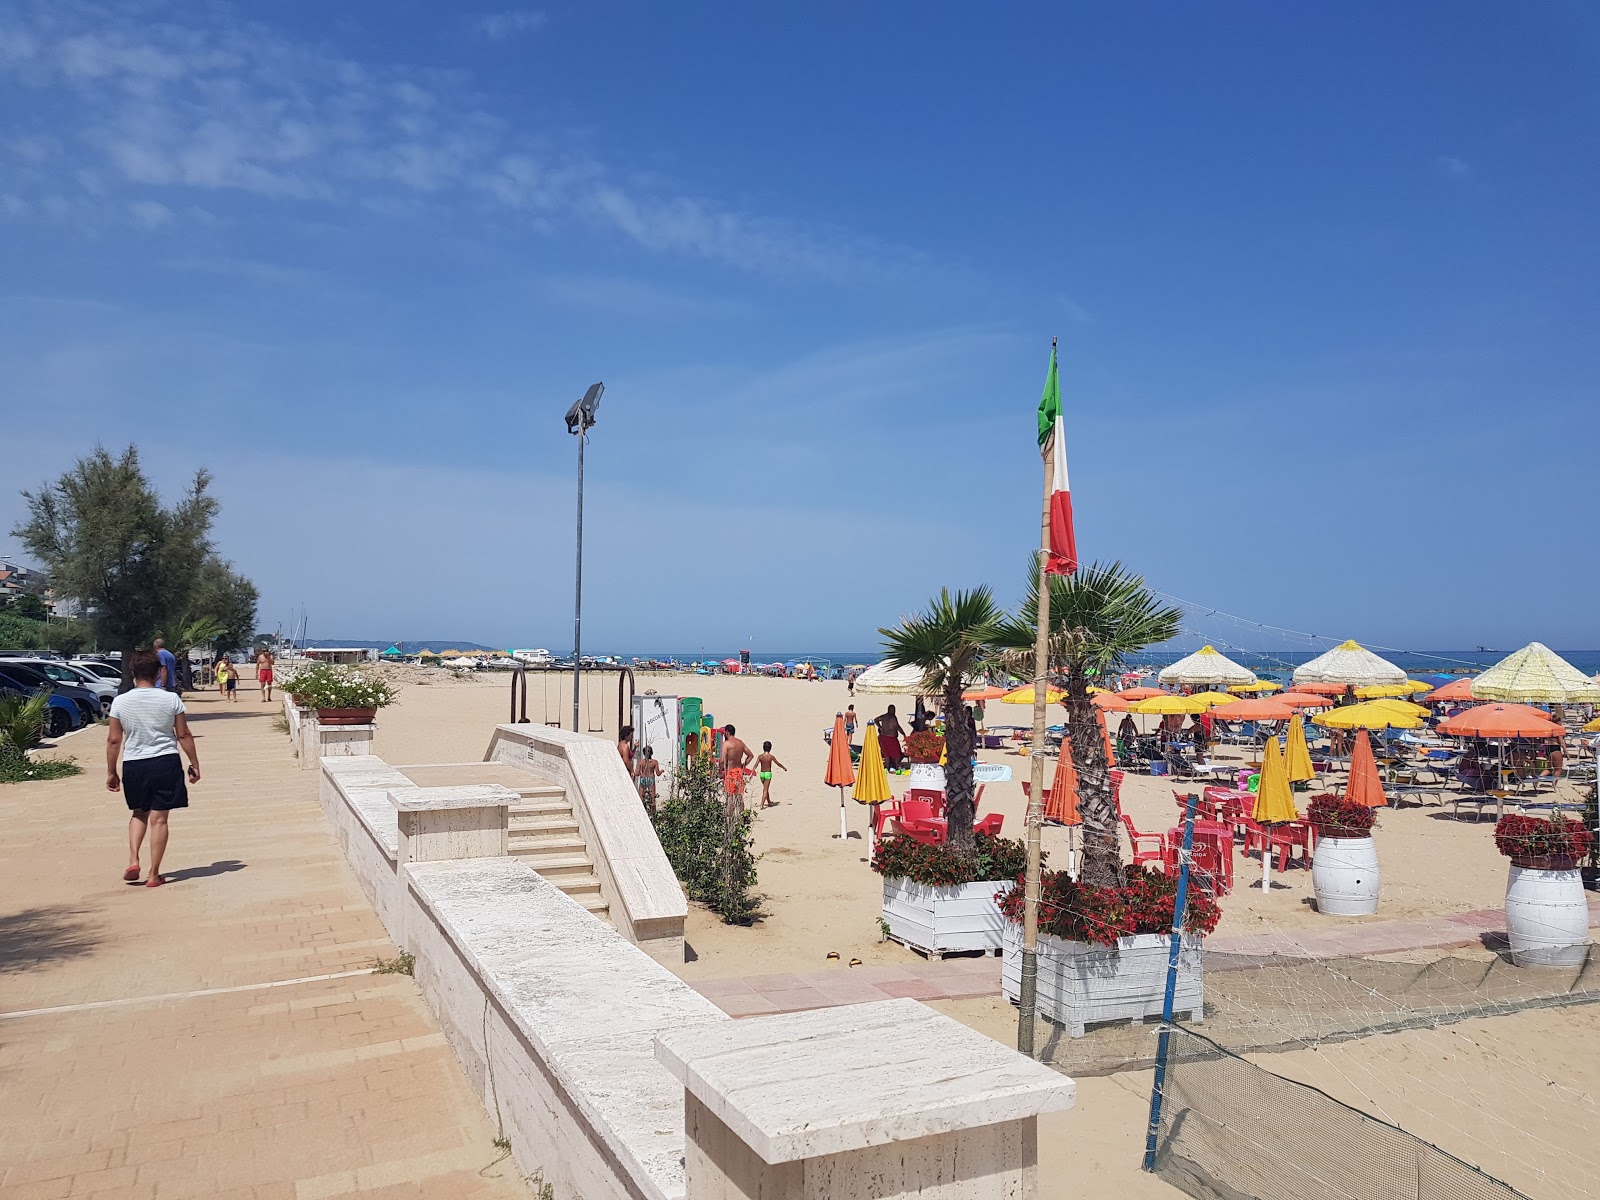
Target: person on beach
<point x="625" y="747"/>
<point x="147" y="728"/>
<point x="735" y="764"/>
<point x="169" y="667"/>
<point x="264" y="673"/>
<point x="889" y="733"/>
<point x="227" y="680"/>
<point x="765" y="761"/>
<point x="850" y="681"/>
<point x="849" y="723"/>
<point x="645" y="773"/>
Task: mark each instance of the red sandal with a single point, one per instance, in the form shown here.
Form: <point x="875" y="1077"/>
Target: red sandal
<point x="155" y="881"/>
<point x="131" y="875"/>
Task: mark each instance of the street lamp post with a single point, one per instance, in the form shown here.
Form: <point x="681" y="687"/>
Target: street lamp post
<point x="580" y="419"/>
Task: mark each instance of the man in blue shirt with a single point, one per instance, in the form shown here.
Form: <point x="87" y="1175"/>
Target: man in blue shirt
<point x="168" y="678"/>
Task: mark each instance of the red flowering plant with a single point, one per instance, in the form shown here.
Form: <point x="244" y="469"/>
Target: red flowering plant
<point x="1078" y="912"/>
<point x="1339" y="817"/>
<point x="939" y="866"/>
<point x="1555" y="840"/>
<point x="925" y="747"/>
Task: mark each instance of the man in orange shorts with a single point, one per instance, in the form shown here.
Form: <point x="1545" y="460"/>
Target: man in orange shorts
<point x="736" y="758"/>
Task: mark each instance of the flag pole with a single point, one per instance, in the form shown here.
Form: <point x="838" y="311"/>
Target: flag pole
<point x="1027" y="991"/>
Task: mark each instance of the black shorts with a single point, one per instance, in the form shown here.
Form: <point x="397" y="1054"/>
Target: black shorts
<point x="232" y="685"/>
<point x="156" y="783"/>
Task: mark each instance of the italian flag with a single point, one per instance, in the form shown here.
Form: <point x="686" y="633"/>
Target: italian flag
<point x="1063" y="555"/>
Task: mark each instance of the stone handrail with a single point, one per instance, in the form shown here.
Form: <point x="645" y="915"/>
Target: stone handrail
<point x="647" y="904"/>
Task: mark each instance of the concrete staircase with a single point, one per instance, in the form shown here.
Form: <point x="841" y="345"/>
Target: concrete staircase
<point x="544" y="834"/>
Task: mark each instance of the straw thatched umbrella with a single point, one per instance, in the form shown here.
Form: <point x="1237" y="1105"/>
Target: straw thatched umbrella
<point x="1349" y="662"/>
<point x="1206" y="668"/>
<point x="1535" y="675"/>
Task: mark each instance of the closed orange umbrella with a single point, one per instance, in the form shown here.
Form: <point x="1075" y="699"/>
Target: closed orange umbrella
<point x="1062" y="802"/>
<point x="1501" y="721"/>
<point x="1105" y="739"/>
<point x="840" y="773"/>
<point x="1364" y="785"/>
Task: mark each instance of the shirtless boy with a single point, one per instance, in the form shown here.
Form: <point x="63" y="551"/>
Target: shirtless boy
<point x="765" y="761"/>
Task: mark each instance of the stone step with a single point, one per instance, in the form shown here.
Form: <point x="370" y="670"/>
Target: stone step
<point x="578" y="885"/>
<point x="540" y="808"/>
<point x="539" y="839"/>
<point x="563" y="824"/>
<point x="554" y="865"/>
<point x="541" y="791"/>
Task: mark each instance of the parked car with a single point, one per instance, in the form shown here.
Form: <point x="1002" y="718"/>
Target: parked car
<point x="27" y="677"/>
<point x="64" y="715"/>
<point x="98" y="667"/>
<point x="4" y="654"/>
<point x="65" y="672"/>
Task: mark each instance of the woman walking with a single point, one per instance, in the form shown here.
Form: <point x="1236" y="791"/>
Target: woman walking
<point x="147" y="728"/>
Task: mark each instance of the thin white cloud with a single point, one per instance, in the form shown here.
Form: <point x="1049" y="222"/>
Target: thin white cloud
<point x="1453" y="166"/>
<point x="140" y="111"/>
<point x="503" y="26"/>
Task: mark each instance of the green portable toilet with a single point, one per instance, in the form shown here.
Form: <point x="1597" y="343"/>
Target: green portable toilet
<point x="689" y="717"/>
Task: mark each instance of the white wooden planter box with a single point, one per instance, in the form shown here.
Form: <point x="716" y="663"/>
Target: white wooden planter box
<point x="1080" y="983"/>
<point x="938" y="920"/>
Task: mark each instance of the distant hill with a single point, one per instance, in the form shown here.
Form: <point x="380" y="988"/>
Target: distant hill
<point x="409" y="647"/>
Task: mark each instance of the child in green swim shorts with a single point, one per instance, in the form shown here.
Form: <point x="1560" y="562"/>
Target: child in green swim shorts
<point x="765" y="761"/>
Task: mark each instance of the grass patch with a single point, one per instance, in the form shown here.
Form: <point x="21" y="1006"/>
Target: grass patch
<point x="20" y="769"/>
<point x="404" y="964"/>
<point x="280" y="724"/>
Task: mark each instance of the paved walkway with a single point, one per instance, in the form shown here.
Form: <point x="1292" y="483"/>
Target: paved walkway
<point x="221" y="1036"/>
<point x="969" y="977"/>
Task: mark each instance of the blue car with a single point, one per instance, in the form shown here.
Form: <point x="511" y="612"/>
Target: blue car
<point x="64" y="714"/>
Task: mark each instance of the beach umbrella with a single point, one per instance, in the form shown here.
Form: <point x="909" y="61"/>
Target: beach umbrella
<point x="1313" y="688"/>
<point x="1259" y="709"/>
<point x="1303" y="700"/>
<point x="1380" y="691"/>
<point x="1141" y="693"/>
<point x="1024" y="695"/>
<point x="1166" y="704"/>
<point x="872" y="781"/>
<point x="982" y="694"/>
<point x="1206" y="668"/>
<point x="1296" y="755"/>
<point x="1111" y="702"/>
<point x="1535" y="675"/>
<point x="1212" y="699"/>
<point x="1260" y="685"/>
<point x="1061" y="805"/>
<point x="840" y="773"/>
<point x="427" y="654"/>
<point x="884" y="680"/>
<point x="1500" y="721"/>
<point x="1593" y="726"/>
<point x="1349" y="662"/>
<point x="1375" y="714"/>
<point x="1458" y="690"/>
<point x="1364" y="784"/>
<point x="1274" y="803"/>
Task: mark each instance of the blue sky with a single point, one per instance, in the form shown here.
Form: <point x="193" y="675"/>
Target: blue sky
<point x="1325" y="281"/>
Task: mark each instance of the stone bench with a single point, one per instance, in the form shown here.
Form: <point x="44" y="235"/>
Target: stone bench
<point x="554" y="1017"/>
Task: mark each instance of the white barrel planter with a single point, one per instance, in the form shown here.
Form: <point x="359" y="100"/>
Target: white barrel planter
<point x="1547" y="915"/>
<point x="927" y="775"/>
<point x="1080" y="983"/>
<point x="939" y="920"/>
<point x="1344" y="874"/>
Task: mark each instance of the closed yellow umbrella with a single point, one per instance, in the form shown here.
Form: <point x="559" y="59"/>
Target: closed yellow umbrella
<point x="1296" y="755"/>
<point x="1375" y="714"/>
<point x="872" y="781"/>
<point x="1024" y="695"/>
<point x="1274" y="801"/>
<point x="1165" y="705"/>
<point x="1260" y="685"/>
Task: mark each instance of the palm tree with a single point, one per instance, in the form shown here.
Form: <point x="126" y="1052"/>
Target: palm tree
<point x="1099" y="618"/>
<point x="950" y="642"/>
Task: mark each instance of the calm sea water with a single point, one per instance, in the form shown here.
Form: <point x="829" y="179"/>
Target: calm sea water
<point x="1263" y="663"/>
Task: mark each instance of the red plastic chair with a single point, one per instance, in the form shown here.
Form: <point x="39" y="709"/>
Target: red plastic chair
<point x="931" y="832"/>
<point x="1284" y="838"/>
<point x="1204" y="810"/>
<point x="990" y="824"/>
<point x="1210" y="857"/>
<point x="1147" y="847"/>
<point x="932" y="797"/>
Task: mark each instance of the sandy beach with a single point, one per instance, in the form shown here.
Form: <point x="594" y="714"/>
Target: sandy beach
<point x="1501" y="1092"/>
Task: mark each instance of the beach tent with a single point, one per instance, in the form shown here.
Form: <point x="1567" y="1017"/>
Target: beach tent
<point x="884" y="680"/>
<point x="1206" y="668"/>
<point x="1535" y="675"/>
<point x="1352" y="663"/>
<point x="391" y="652"/>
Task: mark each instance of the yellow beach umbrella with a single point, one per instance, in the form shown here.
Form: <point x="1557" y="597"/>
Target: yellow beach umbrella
<point x="1380" y="691"/>
<point x="872" y="781"/>
<point x="1274" y="801"/>
<point x="1024" y="695"/>
<point x="1164" y="705"/>
<point x="1260" y="685"/>
<point x="1296" y="756"/>
<point x="1212" y="699"/>
<point x="1374" y="714"/>
<point x="1593" y="726"/>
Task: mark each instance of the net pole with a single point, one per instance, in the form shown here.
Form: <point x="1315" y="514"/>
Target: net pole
<point x="1164" y="1044"/>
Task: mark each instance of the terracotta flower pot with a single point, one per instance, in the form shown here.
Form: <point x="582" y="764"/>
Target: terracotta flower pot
<point x="346" y="716"/>
<point x="1544" y="862"/>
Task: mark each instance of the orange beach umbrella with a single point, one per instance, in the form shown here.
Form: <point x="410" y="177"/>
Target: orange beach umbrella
<point x="1501" y="721"/>
<point x="1459" y="689"/>
<point x="1303" y="700"/>
<point x="1364" y="785"/>
<point x="1263" y="709"/>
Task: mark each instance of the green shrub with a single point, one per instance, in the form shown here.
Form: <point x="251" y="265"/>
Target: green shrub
<point x="708" y="843"/>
